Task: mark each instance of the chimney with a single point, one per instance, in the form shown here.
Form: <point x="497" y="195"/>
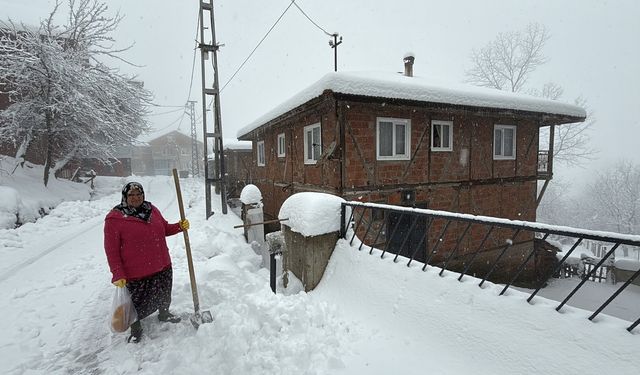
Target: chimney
<point x="408" y="64"/>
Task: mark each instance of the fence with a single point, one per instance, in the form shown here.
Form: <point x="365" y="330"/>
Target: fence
<point x="480" y="245"/>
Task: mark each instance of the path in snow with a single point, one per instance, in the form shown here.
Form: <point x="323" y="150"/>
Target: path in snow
<point x="63" y="273"/>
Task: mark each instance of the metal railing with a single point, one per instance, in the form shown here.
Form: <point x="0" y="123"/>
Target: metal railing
<point x="456" y="242"/>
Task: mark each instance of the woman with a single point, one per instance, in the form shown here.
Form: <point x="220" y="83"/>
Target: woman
<point x="138" y="256"/>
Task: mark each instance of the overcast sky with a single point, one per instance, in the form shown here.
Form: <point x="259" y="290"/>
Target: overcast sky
<point x="592" y="51"/>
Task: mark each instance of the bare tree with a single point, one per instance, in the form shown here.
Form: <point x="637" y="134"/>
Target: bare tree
<point x="61" y="92"/>
<point x="507" y="63"/>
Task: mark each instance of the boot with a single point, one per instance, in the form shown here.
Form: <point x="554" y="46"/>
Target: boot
<point x="136" y="332"/>
<point x="166" y="316"/>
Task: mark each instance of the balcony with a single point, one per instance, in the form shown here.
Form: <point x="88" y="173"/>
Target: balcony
<point x="544" y="165"/>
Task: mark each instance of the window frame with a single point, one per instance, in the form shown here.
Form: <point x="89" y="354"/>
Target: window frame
<point x="312" y="159"/>
<point x="282" y="146"/>
<point x="260" y="154"/>
<point x="433" y="127"/>
<point x="501" y="128"/>
<point x="407" y="138"/>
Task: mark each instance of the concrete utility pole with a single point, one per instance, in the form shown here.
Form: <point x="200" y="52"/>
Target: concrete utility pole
<point x="195" y="165"/>
<point x="213" y="173"/>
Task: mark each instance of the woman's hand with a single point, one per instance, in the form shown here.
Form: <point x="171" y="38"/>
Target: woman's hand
<point x="120" y="283"/>
<point x="184" y="224"/>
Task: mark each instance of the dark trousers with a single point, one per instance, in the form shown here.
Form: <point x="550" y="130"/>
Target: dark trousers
<point x="151" y="293"/>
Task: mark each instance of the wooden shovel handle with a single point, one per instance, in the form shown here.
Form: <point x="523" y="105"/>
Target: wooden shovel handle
<point x="192" y="276"/>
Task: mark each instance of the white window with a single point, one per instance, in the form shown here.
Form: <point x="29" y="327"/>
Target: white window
<point x="441" y="135"/>
<point x="260" y="155"/>
<point x="393" y="138"/>
<point x="281" y="145"/>
<point x="504" y="142"/>
<point x="312" y="143"/>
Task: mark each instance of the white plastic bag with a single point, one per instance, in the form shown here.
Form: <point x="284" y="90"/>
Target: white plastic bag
<point x="123" y="313"/>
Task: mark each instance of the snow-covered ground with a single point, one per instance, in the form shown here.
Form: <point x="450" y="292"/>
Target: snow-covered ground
<point x="367" y="316"/>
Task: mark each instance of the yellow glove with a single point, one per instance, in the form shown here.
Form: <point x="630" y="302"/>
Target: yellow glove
<point x="120" y="283"/>
<point x="184" y="224"/>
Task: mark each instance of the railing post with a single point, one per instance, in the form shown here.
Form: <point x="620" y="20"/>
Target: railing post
<point x="519" y="270"/>
<point x="486" y="236"/>
<point x="495" y="264"/>
<point x="556" y="268"/>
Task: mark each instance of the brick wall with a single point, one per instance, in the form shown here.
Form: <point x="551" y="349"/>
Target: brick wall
<point x="466" y="179"/>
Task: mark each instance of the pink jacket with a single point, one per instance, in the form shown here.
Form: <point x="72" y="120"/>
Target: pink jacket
<point x="136" y="249"/>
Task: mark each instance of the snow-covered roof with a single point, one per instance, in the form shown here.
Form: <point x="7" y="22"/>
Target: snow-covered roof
<point x="237" y="145"/>
<point x="155" y="134"/>
<point x="397" y="86"/>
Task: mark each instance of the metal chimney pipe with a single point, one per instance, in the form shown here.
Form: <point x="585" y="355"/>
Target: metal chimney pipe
<point x="408" y="65"/>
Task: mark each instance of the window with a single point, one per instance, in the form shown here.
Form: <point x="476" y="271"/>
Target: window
<point x="441" y="135"/>
<point x="312" y="143"/>
<point x="281" y="145"/>
<point x="504" y="142"/>
<point x="393" y="139"/>
<point x="260" y="155"/>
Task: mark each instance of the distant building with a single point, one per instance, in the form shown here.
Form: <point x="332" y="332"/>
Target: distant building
<point x="173" y="150"/>
<point x="238" y="158"/>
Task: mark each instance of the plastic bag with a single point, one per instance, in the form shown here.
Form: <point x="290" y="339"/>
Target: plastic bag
<point x="123" y="313"/>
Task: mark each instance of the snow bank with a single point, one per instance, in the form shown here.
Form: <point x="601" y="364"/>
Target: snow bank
<point x="627" y="264"/>
<point x="24" y="197"/>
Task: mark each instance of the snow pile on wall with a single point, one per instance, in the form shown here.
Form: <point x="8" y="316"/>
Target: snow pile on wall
<point x="312" y="214"/>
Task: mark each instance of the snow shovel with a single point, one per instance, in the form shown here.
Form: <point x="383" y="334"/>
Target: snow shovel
<point x="199" y="317"/>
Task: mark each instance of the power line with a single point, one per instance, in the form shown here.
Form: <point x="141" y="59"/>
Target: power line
<point x="167" y="112"/>
<point x="173" y="122"/>
<point x="258" y="45"/>
<point x="193" y="64"/>
<point x="309" y="18"/>
<point x="166" y="106"/>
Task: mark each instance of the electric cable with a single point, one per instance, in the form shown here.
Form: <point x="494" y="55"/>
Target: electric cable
<point x="309" y="18"/>
<point x="165" y="113"/>
<point x="258" y="45"/>
<point x="193" y="64"/>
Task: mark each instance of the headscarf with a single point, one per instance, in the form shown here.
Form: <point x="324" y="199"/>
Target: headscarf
<point x="143" y="212"/>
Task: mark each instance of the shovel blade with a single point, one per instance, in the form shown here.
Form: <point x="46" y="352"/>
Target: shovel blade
<point x="206" y="317"/>
<point x="201" y="318"/>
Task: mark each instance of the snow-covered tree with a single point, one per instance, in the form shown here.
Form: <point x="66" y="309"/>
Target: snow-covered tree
<point x="507" y="63"/>
<point x="613" y="199"/>
<point x="62" y="94"/>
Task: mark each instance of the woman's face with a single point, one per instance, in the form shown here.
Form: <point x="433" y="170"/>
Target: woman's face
<point x="134" y="198"/>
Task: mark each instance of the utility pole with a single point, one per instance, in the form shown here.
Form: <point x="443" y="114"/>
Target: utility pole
<point x="195" y="165"/>
<point x="334" y="44"/>
<point x="213" y="173"/>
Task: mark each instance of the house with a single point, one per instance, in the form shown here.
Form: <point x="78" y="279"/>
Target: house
<point x="238" y="158"/>
<point x="158" y="155"/>
<point x="404" y="140"/>
<point x="174" y="150"/>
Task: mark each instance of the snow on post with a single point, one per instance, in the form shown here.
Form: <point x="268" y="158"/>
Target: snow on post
<point x="310" y="234"/>
<point x="251" y="195"/>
